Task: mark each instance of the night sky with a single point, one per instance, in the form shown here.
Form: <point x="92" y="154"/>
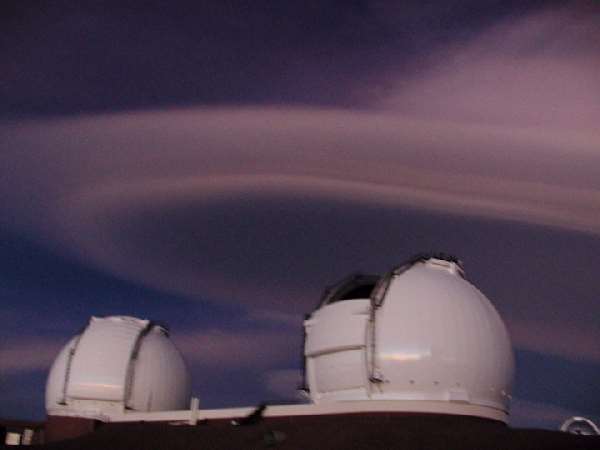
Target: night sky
<point x="214" y="165"/>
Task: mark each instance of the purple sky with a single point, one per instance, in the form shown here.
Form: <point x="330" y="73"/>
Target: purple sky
<point x="214" y="166"/>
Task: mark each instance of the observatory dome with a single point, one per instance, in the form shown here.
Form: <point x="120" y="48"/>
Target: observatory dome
<point x="118" y="363"/>
<point x="421" y="334"/>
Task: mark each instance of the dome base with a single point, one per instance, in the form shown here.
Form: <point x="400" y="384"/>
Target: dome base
<point x="410" y="406"/>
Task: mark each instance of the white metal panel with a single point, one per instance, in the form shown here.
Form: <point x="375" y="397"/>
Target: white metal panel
<point x="336" y="337"/>
<point x="337" y="326"/>
<point x="161" y="378"/>
<point x="340" y="371"/>
<point x="99" y="366"/>
<point x="437" y="335"/>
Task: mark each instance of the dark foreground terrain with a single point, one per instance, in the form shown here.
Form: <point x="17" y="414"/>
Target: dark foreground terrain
<point x="358" y="431"/>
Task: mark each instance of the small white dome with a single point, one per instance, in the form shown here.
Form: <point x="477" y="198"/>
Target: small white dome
<point x="420" y="333"/>
<point x="118" y="363"/>
<point x="580" y="425"/>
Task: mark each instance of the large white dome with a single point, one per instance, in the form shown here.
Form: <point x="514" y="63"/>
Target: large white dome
<point x="420" y="333"/>
<point x="118" y="363"/>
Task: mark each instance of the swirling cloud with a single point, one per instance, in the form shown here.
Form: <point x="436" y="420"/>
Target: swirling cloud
<point x="27" y="355"/>
<point x="82" y="181"/>
<point x="183" y="199"/>
<point x="532" y="71"/>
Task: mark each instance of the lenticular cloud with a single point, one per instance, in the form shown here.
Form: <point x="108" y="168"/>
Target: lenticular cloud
<point x="502" y="127"/>
<point x="540" y="71"/>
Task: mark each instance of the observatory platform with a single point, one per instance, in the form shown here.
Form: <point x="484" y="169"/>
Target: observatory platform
<point x="417" y="345"/>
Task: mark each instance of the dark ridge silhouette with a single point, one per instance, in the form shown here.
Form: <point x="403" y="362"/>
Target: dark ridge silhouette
<point x="350" y="431"/>
<point x="252" y="418"/>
